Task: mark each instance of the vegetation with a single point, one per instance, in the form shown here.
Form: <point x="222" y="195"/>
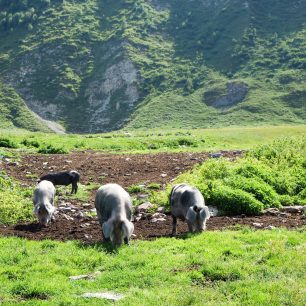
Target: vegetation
<point x="229" y="267"/>
<point x="15" y="201"/>
<point x="154" y="141"/>
<point x="185" y="57"/>
<point x="268" y="176"/>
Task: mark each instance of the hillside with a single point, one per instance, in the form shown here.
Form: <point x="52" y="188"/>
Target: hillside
<point x="101" y="65"/>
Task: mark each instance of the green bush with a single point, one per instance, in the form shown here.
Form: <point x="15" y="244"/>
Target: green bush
<point x="8" y="143"/>
<point x="15" y="202"/>
<point x="269" y="176"/>
<point x="235" y="201"/>
<point x="30" y="143"/>
<point x="50" y="149"/>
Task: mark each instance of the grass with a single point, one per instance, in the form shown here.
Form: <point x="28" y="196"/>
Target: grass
<point x="156" y="140"/>
<point x="242" y="267"/>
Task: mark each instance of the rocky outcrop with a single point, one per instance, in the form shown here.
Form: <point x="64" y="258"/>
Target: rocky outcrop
<point x="221" y="97"/>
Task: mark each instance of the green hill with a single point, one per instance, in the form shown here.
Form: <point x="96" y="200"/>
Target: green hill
<point x="100" y="65"/>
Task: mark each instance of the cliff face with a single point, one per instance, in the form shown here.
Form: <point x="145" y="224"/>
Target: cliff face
<point x="98" y="65"/>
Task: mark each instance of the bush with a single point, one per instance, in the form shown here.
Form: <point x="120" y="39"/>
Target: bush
<point x="15" y="203"/>
<point x="269" y="176"/>
<point x="50" y="149"/>
<point x="30" y="143"/>
<point x="8" y="143"/>
<point x="235" y="201"/>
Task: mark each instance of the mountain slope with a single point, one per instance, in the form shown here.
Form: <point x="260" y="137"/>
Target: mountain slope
<point x="98" y="65"/>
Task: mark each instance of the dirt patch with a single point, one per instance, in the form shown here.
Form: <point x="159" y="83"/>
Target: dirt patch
<point x="88" y="229"/>
<point x="126" y="170"/>
<point x="101" y="168"/>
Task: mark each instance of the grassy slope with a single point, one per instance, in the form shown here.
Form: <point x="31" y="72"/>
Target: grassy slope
<point x="14" y="112"/>
<point x="216" y="268"/>
<point x="181" y="50"/>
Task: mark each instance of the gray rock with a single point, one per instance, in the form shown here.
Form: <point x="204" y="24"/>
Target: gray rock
<point x="270" y="227"/>
<point x="215" y="155"/>
<point x="160" y="209"/>
<point x="85" y="276"/>
<point x="271" y="211"/>
<point x="103" y="295"/>
<point x="158" y="215"/>
<point x="257" y="225"/>
<point x="293" y="209"/>
<point x="154" y="220"/>
<point x="144" y="207"/>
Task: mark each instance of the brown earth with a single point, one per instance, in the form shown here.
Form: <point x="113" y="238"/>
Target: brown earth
<point x="73" y="222"/>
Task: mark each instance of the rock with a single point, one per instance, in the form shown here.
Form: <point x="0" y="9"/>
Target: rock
<point x="103" y="295"/>
<point x="88" y="236"/>
<point x="85" y="276"/>
<point x="284" y="215"/>
<point x="271" y="211"/>
<point x="163" y="175"/>
<point x="158" y="215"/>
<point x="67" y="217"/>
<point x="68" y="161"/>
<point x="79" y="215"/>
<point x="142" y="196"/>
<point x="86" y="205"/>
<point x="144" y="207"/>
<point x="257" y="225"/>
<point x="293" y="209"/>
<point x="215" y="155"/>
<point x="160" y="209"/>
<point x="154" y="220"/>
<point x="45" y="164"/>
<point x="270" y="227"/>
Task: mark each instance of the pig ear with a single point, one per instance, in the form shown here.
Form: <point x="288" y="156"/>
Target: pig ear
<point x="128" y="228"/>
<point x="107" y="228"/>
<point x="191" y="215"/>
<point x="204" y="213"/>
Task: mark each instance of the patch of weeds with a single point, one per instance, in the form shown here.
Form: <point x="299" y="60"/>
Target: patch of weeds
<point x="30" y="143"/>
<point x="136" y="188"/>
<point x="7" y="143"/>
<point x="50" y="149"/>
<point x="154" y="186"/>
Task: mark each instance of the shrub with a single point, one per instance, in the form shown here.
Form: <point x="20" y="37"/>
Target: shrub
<point x="30" y="143"/>
<point x="8" y="143"/>
<point x="135" y="188"/>
<point x="234" y="201"/>
<point x="50" y="149"/>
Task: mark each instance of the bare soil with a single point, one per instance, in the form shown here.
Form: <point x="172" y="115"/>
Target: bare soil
<point x="125" y="170"/>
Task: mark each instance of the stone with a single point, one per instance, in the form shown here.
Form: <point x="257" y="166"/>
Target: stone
<point x="154" y="220"/>
<point x="270" y="227"/>
<point x="158" y="215"/>
<point x="103" y="295"/>
<point x="67" y="217"/>
<point x="142" y="196"/>
<point x="86" y="205"/>
<point x="85" y="276"/>
<point x="163" y="175"/>
<point x="257" y="225"/>
<point x="292" y="209"/>
<point x="144" y="207"/>
<point x="271" y="211"/>
<point x="160" y="209"/>
<point x="284" y="215"/>
<point x="215" y="155"/>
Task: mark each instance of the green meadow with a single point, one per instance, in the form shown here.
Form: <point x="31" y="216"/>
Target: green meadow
<point x="242" y="267"/>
